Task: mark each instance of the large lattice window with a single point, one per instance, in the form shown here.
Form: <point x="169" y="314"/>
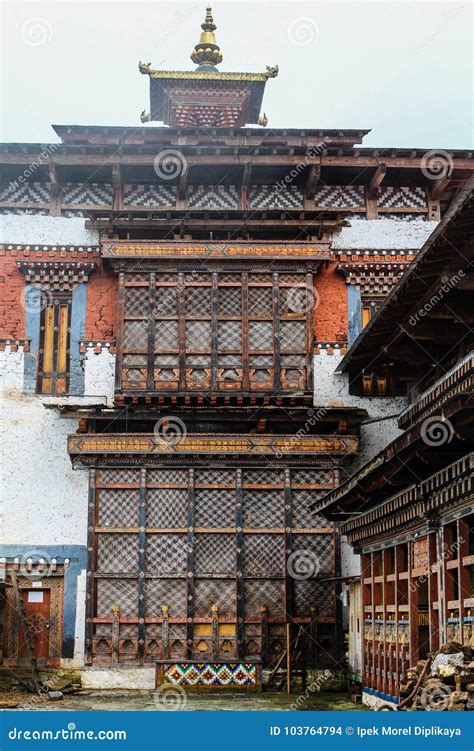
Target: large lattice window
<point x="171" y="546"/>
<point x="215" y="332"/>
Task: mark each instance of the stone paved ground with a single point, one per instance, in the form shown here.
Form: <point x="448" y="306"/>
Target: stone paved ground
<point x="148" y="701"/>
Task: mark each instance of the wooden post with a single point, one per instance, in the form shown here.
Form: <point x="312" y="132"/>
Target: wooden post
<point x="115" y="633"/>
<point x="215" y="632"/>
<point x="165" y="633"/>
<point x="264" y="634"/>
<point x="288" y="658"/>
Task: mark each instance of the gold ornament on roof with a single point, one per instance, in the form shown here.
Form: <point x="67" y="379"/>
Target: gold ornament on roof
<point x="207" y="52"/>
<point x="144" y="67"/>
<point x="263" y="120"/>
<point x="145" y="116"/>
<point x="272" y="71"/>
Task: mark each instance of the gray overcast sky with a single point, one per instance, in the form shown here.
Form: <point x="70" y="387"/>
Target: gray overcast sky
<point x="403" y="69"/>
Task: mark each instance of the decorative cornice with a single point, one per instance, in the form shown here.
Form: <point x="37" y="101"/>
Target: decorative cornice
<point x="230" y="250"/>
<point x="201" y="443"/>
<point x="198" y="75"/>
<point x="56" y="275"/>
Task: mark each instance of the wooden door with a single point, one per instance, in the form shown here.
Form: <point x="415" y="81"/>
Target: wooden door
<point x="36" y="604"/>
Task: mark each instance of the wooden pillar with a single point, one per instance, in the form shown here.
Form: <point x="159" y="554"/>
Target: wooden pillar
<point x="190" y="568"/>
<point x="245" y="333"/>
<point x="289" y="581"/>
<point x="214" y="331"/>
<point x="56" y="192"/>
<point x="151" y="332"/>
<point x="215" y="633"/>
<point x="276" y="333"/>
<point x="165" y="632"/>
<point x="239" y="544"/>
<point x="463" y="571"/>
<point x="141" y="565"/>
<point x="182" y="331"/>
<point x="91" y="558"/>
<point x="117" y="185"/>
<point x="115" y="633"/>
<point x="264" y="634"/>
<point x="119" y="330"/>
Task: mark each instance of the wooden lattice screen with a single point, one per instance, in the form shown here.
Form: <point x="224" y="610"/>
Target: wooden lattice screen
<point x="215" y="332"/>
<point x="193" y="562"/>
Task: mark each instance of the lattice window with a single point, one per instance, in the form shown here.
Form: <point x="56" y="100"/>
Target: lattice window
<point x="169" y="592"/>
<point x="231" y="328"/>
<point x="260" y="335"/>
<point x="264" y="508"/>
<point x="167" y="477"/>
<point x="166" y="554"/>
<point x="312" y="477"/>
<point x="319" y="549"/>
<point x="214" y="477"/>
<point x="262" y="477"/>
<point x="230" y="302"/>
<point x="215" y="554"/>
<point x="167" y="508"/>
<point x="117" y="553"/>
<point x="209" y="592"/>
<point x="264" y="555"/>
<point x="260" y="302"/>
<point x="302" y="516"/>
<point x="118" y="476"/>
<point x="118" y="508"/>
<point x="121" y="593"/>
<point x="310" y="593"/>
<point x="259" y="593"/>
<point x="214" y="508"/>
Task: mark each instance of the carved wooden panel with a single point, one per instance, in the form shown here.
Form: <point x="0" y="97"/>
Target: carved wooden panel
<point x="215" y="331"/>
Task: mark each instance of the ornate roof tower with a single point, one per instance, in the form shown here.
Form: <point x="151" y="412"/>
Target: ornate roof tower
<point x="206" y="97"/>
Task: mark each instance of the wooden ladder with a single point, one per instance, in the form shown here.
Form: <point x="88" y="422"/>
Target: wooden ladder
<point x="290" y="656"/>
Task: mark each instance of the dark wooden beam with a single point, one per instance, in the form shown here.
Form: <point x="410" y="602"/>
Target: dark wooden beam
<point x="376" y="180"/>
<point x="312" y="181"/>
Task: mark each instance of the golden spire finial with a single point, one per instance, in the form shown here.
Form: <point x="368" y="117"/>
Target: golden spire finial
<point x="207" y="53"/>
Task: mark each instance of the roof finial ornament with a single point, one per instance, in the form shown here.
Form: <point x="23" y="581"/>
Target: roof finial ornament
<point x="207" y="53"/>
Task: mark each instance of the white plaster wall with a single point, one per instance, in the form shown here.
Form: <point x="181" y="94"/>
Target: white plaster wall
<point x="121" y="677"/>
<point x="99" y="374"/>
<point x="332" y="390"/>
<point x="383" y="234"/>
<point x="50" y="230"/>
<point x="80" y="634"/>
<point x="43" y="501"/>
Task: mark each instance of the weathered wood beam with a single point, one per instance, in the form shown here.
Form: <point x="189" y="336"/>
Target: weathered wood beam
<point x="312" y="181"/>
<point x="376" y="180"/>
<point x="182" y="192"/>
<point x="437" y="187"/>
<point x="117" y="185"/>
<point x="56" y="193"/>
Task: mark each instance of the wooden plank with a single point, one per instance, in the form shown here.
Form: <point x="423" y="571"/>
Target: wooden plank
<point x="90" y="586"/>
<point x="276" y="332"/>
<point x="151" y="331"/>
<point x="119" y="331"/>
